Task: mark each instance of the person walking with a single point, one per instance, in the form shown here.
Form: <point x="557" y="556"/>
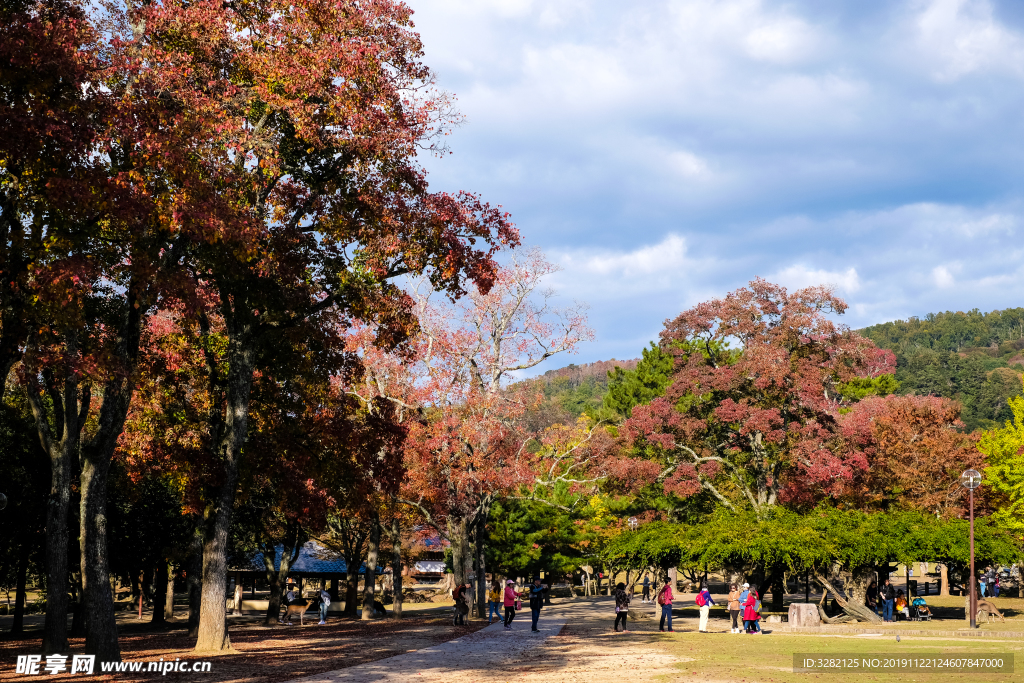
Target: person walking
<point x="509" y="600"/>
<point x="751" y="615"/>
<point x="536" y="602"/>
<point x="889" y="598"/>
<point x="981" y="585"/>
<point x="647" y="588"/>
<point x="622" y="598"/>
<point x="995" y="587"/>
<point x="734" y="607"/>
<point x="665" y="600"/>
<point x="704" y="602"/>
<point x="325" y="602"/>
<point x="494" y="601"/>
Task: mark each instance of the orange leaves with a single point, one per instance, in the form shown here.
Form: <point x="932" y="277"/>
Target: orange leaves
<point x="915" y="450"/>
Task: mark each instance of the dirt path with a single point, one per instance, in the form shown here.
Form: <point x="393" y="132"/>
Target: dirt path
<point x="576" y="644"/>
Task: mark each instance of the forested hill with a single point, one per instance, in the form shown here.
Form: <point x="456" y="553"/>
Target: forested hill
<point x="571" y="390"/>
<point x="974" y="357"/>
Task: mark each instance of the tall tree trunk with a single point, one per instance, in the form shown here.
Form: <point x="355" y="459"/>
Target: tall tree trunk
<point x="101" y="626"/>
<point x="159" y="593"/>
<point x="944" y="580"/>
<point x="370" y="582"/>
<point x="352" y="545"/>
<point x="70" y="407"/>
<point x="194" y="577"/>
<point x="396" y="568"/>
<point x="18" y="625"/>
<point x="169" y="592"/>
<point x="213" y="627"/>
<point x="481" y="568"/>
<point x="277" y="578"/>
<point x="457" y="536"/>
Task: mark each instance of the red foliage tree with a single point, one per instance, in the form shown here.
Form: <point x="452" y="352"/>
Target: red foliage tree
<point x="757" y="423"/>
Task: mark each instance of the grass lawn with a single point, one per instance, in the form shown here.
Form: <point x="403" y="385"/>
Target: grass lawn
<point x="728" y="657"/>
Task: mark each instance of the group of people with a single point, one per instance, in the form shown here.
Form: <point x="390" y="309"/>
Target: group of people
<point x="745" y="599"/>
<point x="989" y="581"/>
<point x="888" y="602"/>
<point x="511" y="599"/>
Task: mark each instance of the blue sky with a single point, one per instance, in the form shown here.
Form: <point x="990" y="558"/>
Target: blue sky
<point x="667" y="152"/>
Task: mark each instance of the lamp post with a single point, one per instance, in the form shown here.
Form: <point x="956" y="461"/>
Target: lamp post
<point x="632" y="523"/>
<point x="970" y="480"/>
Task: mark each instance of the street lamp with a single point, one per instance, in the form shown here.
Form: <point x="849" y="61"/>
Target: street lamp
<point x="970" y="480"/>
<point x="632" y="523"/>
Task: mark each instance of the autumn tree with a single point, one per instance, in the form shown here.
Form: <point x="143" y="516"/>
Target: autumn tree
<point x="298" y="126"/>
<point x="78" y="218"/>
<point x="469" y="449"/>
<point x="916" y="451"/>
<point x="46" y="58"/>
<point x="757" y="422"/>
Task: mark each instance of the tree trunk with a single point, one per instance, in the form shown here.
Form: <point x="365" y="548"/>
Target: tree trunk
<point x="944" y="580"/>
<point x="778" y="591"/>
<point x="18" y="625"/>
<point x="396" y="568"/>
<point x="194" y="577"/>
<point x="231" y="433"/>
<point x="78" y="621"/>
<point x="457" y="536"/>
<point x="825" y="618"/>
<point x="213" y="628"/>
<point x="159" y="593"/>
<point x="370" y="581"/>
<point x="69" y="408"/>
<point x="169" y="592"/>
<point x="68" y="415"/>
<point x="481" y="567"/>
<point x="854" y="610"/>
<point x="277" y="578"/>
<point x="101" y="627"/>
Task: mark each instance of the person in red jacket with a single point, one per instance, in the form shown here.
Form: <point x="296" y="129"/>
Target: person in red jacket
<point x="750" y="614"/>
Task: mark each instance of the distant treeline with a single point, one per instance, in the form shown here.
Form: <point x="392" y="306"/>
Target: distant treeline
<point x="976" y="358"/>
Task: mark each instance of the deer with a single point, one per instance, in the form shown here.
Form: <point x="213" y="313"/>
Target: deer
<point x="297" y="606"/>
<point x="990" y="610"/>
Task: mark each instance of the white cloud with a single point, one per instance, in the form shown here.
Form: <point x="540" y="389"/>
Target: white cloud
<point x="963" y="36"/>
<point x="668" y="256"/>
<point x="942" y="277"/>
<point x="799" y="275"/>
<point x="783" y="40"/>
<point x="687" y="164"/>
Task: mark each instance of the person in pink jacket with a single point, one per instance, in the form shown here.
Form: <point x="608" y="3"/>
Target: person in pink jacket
<point x="510" y="603"/>
<point x="750" y="614"/>
<point x="665" y="600"/>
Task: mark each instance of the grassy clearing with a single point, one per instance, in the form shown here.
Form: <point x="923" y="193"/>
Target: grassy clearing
<point x="728" y="657"/>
